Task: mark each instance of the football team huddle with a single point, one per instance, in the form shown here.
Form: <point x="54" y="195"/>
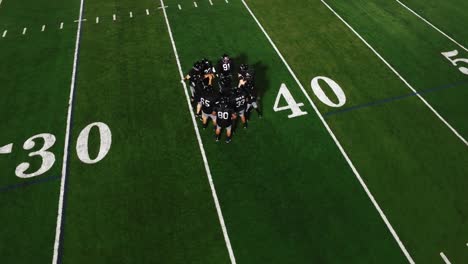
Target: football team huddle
<point x="225" y="104"/>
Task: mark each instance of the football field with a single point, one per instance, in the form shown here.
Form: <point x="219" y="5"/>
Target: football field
<point x="361" y="155"/>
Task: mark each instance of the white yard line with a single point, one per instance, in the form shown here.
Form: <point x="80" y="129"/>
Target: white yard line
<point x="434" y="27"/>
<point x="446" y="260"/>
<point x="338" y="144"/>
<point x="200" y="144"/>
<point x="399" y="76"/>
<point x="58" y="227"/>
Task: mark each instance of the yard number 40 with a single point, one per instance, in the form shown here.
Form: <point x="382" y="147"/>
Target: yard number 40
<point x="318" y="91"/>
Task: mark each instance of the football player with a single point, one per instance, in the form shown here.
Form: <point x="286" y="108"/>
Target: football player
<point x="208" y="72"/>
<point x="225" y="114"/>
<point x="225" y="85"/>
<point x="239" y="99"/>
<point x="208" y="100"/>
<point x="225" y="65"/>
<point x="247" y="83"/>
<point x="196" y="86"/>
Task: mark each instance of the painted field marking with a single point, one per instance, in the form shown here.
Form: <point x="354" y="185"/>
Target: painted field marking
<point x="195" y="4"/>
<point x="227" y="1"/>
<point x="4" y="33"/>
<point x="61" y="25"/>
<point x="467" y="244"/>
<point x="446" y="260"/>
<point x="398" y="74"/>
<point x="200" y="144"/>
<point x="180" y="8"/>
<point x="58" y="227"/>
<point x="6" y="149"/>
<point x="147" y="12"/>
<point x="211" y="2"/>
<point x="1" y="2"/>
<point x="97" y="20"/>
<point x="79" y="20"/>
<point x="434" y="27"/>
<point x="131" y="15"/>
<point x="24" y="30"/>
<point x="114" y="17"/>
<point x="43" y="28"/>
<point x="162" y="7"/>
<point x="338" y="144"/>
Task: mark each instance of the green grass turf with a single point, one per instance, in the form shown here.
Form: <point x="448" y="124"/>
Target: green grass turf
<point x="149" y="199"/>
<point x="286" y="192"/>
<point x="35" y="74"/>
<point x="411" y="161"/>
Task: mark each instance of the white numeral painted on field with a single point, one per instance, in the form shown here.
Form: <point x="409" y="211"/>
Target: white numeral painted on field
<point x="318" y="91"/>
<point x="82" y="143"/>
<point x="48" y="158"/>
<point x="292" y="104"/>
<point x="450" y="56"/>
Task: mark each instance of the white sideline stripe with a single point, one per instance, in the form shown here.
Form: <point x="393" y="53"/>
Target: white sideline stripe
<point x="195" y="4"/>
<point x="180" y="8"/>
<point x="114" y="17"/>
<point x="43" y="28"/>
<point x="131" y="15"/>
<point x="97" y="20"/>
<point x="61" y="25"/>
<point x="200" y="144"/>
<point x="399" y="76"/>
<point x="67" y="139"/>
<point x="24" y="30"/>
<point x="434" y="27"/>
<point x="147" y="12"/>
<point x="446" y="260"/>
<point x="4" y="33"/>
<point x="211" y="2"/>
<point x="338" y="144"/>
<point x="6" y="149"/>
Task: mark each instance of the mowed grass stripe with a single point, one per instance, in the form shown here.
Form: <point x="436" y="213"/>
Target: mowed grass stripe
<point x="148" y="200"/>
<point x="276" y="174"/>
<point x="338" y="144"/>
<point x="34" y="76"/>
<point x="410" y="160"/>
<point x="200" y="143"/>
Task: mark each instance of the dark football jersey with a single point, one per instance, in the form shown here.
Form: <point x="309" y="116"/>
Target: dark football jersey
<point x="224" y="67"/>
<point x="224" y="114"/>
<point x="239" y="100"/>
<point x="195" y="78"/>
<point x="208" y="101"/>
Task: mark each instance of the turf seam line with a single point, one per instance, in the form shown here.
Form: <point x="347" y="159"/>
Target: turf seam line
<point x="430" y="24"/>
<point x="28" y="183"/>
<point x="398" y="75"/>
<point x="60" y="215"/>
<point x="338" y="144"/>
<point x="393" y="99"/>
<point x="200" y="143"/>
